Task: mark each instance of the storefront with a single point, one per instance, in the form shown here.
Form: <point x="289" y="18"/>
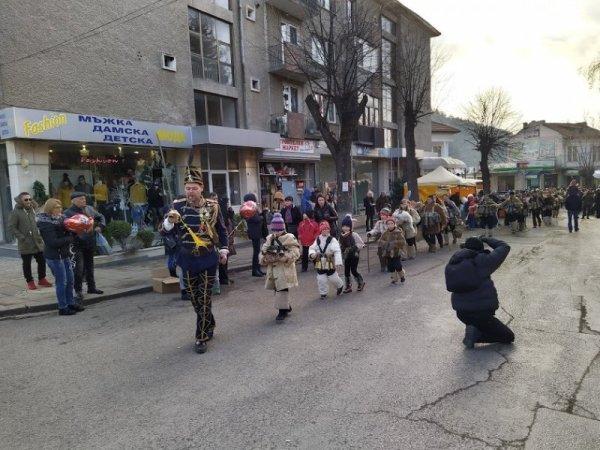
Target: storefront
<point x="117" y="162"/>
<point x="287" y="170"/>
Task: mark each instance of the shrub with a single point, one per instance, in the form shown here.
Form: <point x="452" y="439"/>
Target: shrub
<point x="119" y="230"/>
<point x="146" y="237"/>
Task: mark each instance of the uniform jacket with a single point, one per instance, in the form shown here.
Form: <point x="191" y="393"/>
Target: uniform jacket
<point x="392" y="243"/>
<point x="282" y="273"/>
<point x="480" y="265"/>
<point x="206" y="223"/>
<point x="22" y="225"/>
<point x="87" y="240"/>
<point x="57" y="239"/>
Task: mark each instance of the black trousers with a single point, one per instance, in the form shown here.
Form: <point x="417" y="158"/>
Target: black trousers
<point x="84" y="265"/>
<point x="199" y="288"/>
<point x="395" y="264"/>
<point x="536" y="215"/>
<point x="351" y="265"/>
<point x="369" y="222"/>
<point x="305" y="258"/>
<point x="255" y="253"/>
<point x="491" y="328"/>
<point x="41" y="266"/>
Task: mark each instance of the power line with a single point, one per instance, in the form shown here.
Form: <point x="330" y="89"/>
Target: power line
<point x="99" y="29"/>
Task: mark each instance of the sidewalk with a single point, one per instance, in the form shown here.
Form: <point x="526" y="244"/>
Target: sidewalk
<point x="117" y="275"/>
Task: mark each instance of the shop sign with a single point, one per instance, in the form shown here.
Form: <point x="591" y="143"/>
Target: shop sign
<point x="99" y="160"/>
<point x="296" y="146"/>
<point x="50" y="125"/>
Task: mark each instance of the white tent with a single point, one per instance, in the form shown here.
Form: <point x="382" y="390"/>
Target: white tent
<point x="440" y="176"/>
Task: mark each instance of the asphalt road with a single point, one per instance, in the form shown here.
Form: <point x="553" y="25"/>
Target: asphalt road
<point x="381" y="369"/>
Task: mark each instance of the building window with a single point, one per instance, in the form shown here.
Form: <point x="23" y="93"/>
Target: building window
<point x="289" y="33"/>
<point x="317" y="52"/>
<point x="367" y="56"/>
<point x="323" y="104"/>
<point x="387" y="58"/>
<point x="388" y="25"/>
<point x="387" y="104"/>
<point x="349" y="6"/>
<point x="572" y="153"/>
<point x="210" y="44"/>
<point x="255" y="84"/>
<point x="250" y="13"/>
<point x="437" y="149"/>
<point x="370" y="117"/>
<point x="215" y="110"/>
<point x="290" y="99"/>
<point x="390" y="138"/>
<point x="324" y="4"/>
<point x="221" y="173"/>
<point x="221" y="3"/>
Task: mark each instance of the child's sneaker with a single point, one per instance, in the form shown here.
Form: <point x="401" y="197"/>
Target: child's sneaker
<point x="323" y="296"/>
<point x="340" y="289"/>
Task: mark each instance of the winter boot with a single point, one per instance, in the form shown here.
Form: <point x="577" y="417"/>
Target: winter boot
<point x="394" y="277"/>
<point x="173" y="273"/>
<point x="432" y="248"/>
<point x="282" y="314"/>
<point x="402" y="274"/>
<point x="360" y="282"/>
<point x="412" y="251"/>
<point x="514" y="227"/>
<point x="282" y="303"/>
<point x="348" y="288"/>
<point x="472" y="335"/>
<point x="446" y="243"/>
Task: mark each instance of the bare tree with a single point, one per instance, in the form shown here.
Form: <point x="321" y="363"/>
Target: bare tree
<point x="491" y="126"/>
<point x="586" y="151"/>
<point x="413" y="74"/>
<point x="592" y="73"/>
<point x="338" y="55"/>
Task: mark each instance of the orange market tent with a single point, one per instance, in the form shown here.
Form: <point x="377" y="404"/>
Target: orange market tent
<point x="442" y="180"/>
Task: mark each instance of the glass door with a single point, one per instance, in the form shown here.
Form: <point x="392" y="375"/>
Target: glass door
<point x="219" y="183"/>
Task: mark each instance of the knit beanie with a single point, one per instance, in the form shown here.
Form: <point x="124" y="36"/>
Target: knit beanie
<point x="347" y="221"/>
<point x="390" y="219"/>
<point x="277" y="223"/>
<point x="324" y="226"/>
<point x="385" y="211"/>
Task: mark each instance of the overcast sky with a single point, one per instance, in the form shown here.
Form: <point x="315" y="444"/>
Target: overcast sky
<point x="531" y="48"/>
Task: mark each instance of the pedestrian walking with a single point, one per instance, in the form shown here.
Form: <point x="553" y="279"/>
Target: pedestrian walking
<point x="199" y="226"/>
<point x="254" y="227"/>
<point x="350" y="245"/>
<point x="405" y="220"/>
<point x="369" y="204"/>
<point x="324" y="212"/>
<point x="328" y="258"/>
<point x="513" y="207"/>
<point x="57" y="243"/>
<point x="393" y="244"/>
<point x="573" y="205"/>
<point x="376" y="232"/>
<point x="22" y="225"/>
<point x="279" y="253"/>
<point x="291" y="215"/>
<point x="474" y="296"/>
<point x="85" y="245"/>
<point x="433" y="221"/>
<point x="308" y="231"/>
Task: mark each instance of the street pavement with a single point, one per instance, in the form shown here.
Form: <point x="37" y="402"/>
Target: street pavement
<point x="381" y="369"/>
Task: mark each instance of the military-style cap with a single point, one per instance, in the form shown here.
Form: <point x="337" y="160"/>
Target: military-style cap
<point x="193" y="175"/>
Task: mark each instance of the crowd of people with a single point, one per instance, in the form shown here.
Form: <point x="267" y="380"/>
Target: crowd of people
<point x="198" y="234"/>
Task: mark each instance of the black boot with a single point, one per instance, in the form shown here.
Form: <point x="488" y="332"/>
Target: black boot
<point x="173" y="273"/>
<point x="360" y="282"/>
<point x="282" y="314"/>
<point x="185" y="295"/>
<point x="348" y="288"/>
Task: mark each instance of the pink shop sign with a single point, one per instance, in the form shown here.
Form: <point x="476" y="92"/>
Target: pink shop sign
<point x="296" y="146"/>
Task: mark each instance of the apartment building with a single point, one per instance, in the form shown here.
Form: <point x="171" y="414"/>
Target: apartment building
<point x="552" y="154"/>
<point x="125" y="92"/>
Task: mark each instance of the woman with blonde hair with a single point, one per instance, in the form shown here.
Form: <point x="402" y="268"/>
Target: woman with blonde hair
<point x="57" y="252"/>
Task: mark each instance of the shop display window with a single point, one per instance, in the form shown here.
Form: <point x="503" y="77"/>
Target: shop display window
<point x="122" y="182"/>
<point x="279" y="180"/>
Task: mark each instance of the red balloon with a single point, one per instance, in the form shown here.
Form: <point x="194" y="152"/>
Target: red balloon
<point x="248" y="209"/>
<point x="79" y="223"/>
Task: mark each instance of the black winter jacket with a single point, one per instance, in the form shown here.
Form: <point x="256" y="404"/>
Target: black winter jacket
<point x="86" y="240"/>
<point x="573" y="202"/>
<point x="479" y="265"/>
<point x="57" y="239"/>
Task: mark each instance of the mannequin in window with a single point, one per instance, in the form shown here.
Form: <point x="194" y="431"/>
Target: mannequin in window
<point x="82" y="186"/>
<point x="101" y="196"/>
<point x="65" y="188"/>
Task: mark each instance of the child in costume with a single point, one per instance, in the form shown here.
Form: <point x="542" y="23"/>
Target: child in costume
<point x="350" y="245"/>
<point x="279" y="253"/>
<point x="328" y="257"/>
<point x="392" y="244"/>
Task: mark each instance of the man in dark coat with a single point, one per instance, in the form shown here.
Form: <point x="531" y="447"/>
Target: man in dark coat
<point x="292" y="215"/>
<point x="573" y="204"/>
<point x="474" y="296"/>
<point x="369" y="204"/>
<point x="85" y="245"/>
<point x="254" y="225"/>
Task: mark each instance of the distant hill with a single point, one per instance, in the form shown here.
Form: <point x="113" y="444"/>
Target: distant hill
<point x="459" y="148"/>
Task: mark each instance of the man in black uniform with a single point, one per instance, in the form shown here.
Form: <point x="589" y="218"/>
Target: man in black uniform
<point x="200" y="228"/>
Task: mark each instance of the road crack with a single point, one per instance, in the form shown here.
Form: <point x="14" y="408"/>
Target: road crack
<point x="584" y="326"/>
<point x="572" y="401"/>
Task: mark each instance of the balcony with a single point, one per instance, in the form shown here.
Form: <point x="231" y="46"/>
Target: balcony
<point x="296" y="8"/>
<point x="282" y="59"/>
<point x="294" y="125"/>
<point x="369" y="136"/>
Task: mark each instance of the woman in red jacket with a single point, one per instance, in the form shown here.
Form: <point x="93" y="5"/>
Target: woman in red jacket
<point x="308" y="230"/>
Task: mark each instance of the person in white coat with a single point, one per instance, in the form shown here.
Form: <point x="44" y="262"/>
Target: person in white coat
<point x="328" y="258"/>
<point x="405" y="221"/>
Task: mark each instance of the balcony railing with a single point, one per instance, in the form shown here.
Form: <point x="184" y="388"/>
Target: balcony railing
<point x="295" y="126"/>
